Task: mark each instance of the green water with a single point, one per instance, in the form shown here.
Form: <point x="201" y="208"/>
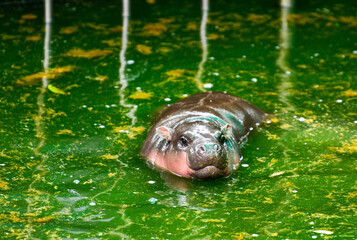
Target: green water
<point x="69" y="156"/>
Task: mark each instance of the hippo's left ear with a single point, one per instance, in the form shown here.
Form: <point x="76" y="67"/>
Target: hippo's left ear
<point x="164" y="132"/>
<point x="227" y="131"/>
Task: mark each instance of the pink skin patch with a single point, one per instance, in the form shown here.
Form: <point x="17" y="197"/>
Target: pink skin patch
<point x="172" y="162"/>
<point x="176" y="163"/>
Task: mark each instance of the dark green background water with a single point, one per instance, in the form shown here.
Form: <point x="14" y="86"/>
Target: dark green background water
<point x="69" y="163"/>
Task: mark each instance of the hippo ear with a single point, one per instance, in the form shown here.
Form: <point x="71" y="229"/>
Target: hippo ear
<point x="164" y="132"/>
<point x="227" y="131"/>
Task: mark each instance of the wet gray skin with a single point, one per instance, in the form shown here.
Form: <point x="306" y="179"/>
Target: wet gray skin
<point x="200" y="136"/>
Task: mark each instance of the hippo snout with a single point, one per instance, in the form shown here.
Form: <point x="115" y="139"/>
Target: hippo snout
<point x="208" y="149"/>
<point x="209" y="159"/>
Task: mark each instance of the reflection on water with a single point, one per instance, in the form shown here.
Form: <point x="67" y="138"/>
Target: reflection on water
<point x="122" y="77"/>
<point x="285" y="43"/>
<point x="38" y="200"/>
<point x="203" y="37"/>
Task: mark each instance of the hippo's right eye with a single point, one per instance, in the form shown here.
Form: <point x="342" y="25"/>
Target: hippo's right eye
<point x="183" y="141"/>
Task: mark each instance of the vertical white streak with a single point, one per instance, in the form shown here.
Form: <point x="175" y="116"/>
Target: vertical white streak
<point x="48" y="8"/>
<point x="122" y="78"/>
<point x="40" y="169"/>
<point x="203" y="37"/>
<point x="46" y="60"/>
<point x="286" y="3"/>
<point x="282" y="61"/>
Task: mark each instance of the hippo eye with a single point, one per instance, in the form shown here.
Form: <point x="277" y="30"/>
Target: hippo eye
<point x="183" y="141"/>
<point x="221" y="138"/>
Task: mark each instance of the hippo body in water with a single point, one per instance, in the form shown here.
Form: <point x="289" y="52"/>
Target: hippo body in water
<point x="200" y="136"/>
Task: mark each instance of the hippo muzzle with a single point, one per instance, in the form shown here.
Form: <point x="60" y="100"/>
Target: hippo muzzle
<point x="207" y="160"/>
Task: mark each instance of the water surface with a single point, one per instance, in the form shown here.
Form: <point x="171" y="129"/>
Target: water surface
<point x="78" y="96"/>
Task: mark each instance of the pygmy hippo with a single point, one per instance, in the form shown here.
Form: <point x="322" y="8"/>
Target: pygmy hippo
<point x="200" y="136"/>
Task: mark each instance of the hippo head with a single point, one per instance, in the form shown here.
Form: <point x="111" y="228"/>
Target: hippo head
<point x="198" y="150"/>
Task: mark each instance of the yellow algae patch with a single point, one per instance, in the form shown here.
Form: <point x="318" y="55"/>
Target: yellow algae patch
<point x="192" y="26"/>
<point x="60" y="70"/>
<point x="29" y="17"/>
<point x="33" y="38"/>
<point x="56" y="90"/>
<point x="10" y="37"/>
<point x="100" y="78"/>
<point x="277" y="174"/>
<point x="90" y="181"/>
<point x="112" y="174"/>
<point x="285" y="126"/>
<point x="69" y="30"/>
<point x="54" y="114"/>
<point x="65" y="132"/>
<point x="14" y="217"/>
<point x="140" y="95"/>
<point x="347" y="148"/>
<point x="4" y="185"/>
<point x="51" y="74"/>
<point x="268" y="200"/>
<point x="272" y="136"/>
<point x="95" y="26"/>
<point x="213" y="220"/>
<point x="144" y="49"/>
<point x="130" y="131"/>
<point x="239" y="236"/>
<point x="176" y="73"/>
<point x="116" y="29"/>
<point x="352" y="195"/>
<point x="166" y="20"/>
<point x="88" y="53"/>
<point x="257" y="18"/>
<point x="109" y="156"/>
<point x="44" y="219"/>
<point x="154" y="29"/>
<point x="112" y="42"/>
<point x="164" y="50"/>
<point x="213" y="36"/>
<point x="350" y="93"/>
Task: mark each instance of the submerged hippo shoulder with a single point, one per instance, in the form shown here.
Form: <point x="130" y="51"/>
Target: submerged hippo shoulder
<point x="200" y="136"/>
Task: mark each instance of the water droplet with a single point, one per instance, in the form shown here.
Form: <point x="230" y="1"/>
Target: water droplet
<point x="339" y="100"/>
<point x="76" y="181"/>
<point x="301" y="119"/>
<point x="153" y="200"/>
<point x="151" y="181"/>
<point x="92" y="203"/>
<point x="167" y="99"/>
<point x="130" y="62"/>
<point x="245" y="165"/>
<point x="254" y="80"/>
<point x="208" y="85"/>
